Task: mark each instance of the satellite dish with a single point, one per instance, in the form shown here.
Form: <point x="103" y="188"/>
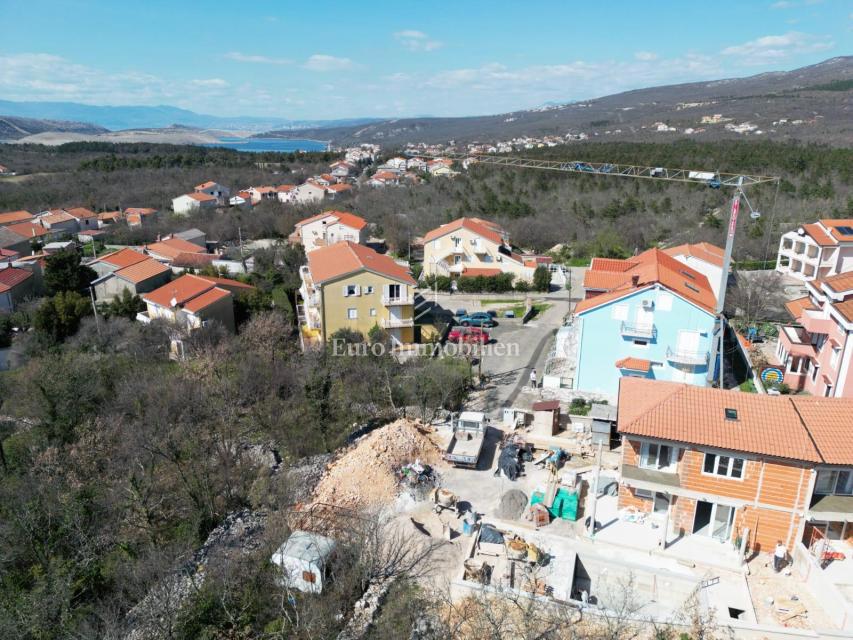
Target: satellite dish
<point x="755" y="215"/>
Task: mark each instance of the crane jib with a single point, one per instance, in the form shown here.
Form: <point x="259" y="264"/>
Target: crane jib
<point x="733" y="219"/>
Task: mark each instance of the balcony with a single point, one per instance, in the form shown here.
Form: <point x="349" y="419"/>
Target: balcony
<point x="399" y="301"/>
<point x="691" y="358"/>
<point x="396" y="323"/>
<point x="814" y="322"/>
<point x="479" y="248"/>
<point x="644" y="330"/>
<point x="797" y="342"/>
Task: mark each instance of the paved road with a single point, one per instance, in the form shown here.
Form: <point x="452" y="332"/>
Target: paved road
<point x="509" y="373"/>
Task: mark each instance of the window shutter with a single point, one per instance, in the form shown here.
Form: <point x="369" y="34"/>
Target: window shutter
<point x="346" y="291"/>
<point x="358" y="290"/>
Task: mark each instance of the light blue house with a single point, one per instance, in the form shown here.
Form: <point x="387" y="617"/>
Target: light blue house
<point x="650" y="316"/>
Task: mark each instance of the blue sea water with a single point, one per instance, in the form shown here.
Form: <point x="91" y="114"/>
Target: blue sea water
<point x="269" y="144"/>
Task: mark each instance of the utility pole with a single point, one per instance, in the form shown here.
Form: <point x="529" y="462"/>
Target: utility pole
<point x="95" y="310"/>
<point x="593" y="490"/>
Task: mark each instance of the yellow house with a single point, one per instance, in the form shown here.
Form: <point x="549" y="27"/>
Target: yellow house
<point x="474" y="247"/>
<point x="349" y="286"/>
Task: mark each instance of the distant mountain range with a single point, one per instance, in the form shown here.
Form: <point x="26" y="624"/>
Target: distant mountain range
<point x="820" y="96"/>
<point x="118" y="118"/>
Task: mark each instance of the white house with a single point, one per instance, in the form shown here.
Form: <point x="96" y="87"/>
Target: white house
<point x="416" y="164"/>
<point x="817" y="250"/>
<point x="218" y="191"/>
<point x="328" y="228"/>
<point x="309" y="192"/>
<point x="286" y="193"/>
<point x="303" y="560"/>
<point x="191" y="202"/>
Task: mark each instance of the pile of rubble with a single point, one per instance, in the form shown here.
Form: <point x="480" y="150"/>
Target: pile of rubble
<point x="366" y="473"/>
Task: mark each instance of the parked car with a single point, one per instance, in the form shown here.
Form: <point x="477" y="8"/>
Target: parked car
<point x="468" y="334"/>
<point x="476" y="319"/>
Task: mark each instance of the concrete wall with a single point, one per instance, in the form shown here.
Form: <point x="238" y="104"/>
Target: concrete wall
<point x="601" y="343"/>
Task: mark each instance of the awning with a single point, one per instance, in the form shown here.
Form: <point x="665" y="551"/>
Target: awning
<point x="832" y="508"/>
<point x="649" y="479"/>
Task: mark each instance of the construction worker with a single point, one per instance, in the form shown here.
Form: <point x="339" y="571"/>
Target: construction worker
<point x="780" y="556"/>
<point x="533" y="378"/>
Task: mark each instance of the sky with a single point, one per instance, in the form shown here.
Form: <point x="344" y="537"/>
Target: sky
<point x="301" y="60"/>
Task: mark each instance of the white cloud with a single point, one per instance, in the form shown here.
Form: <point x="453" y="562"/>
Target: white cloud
<point x="209" y="83"/>
<point x="775" y="48"/>
<point x="645" y="56"/>
<point x="417" y="40"/>
<point x="323" y="62"/>
<point x="256" y="59"/>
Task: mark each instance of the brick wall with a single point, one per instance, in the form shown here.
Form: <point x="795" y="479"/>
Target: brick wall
<point x="682" y="514"/>
<point x="628" y="498"/>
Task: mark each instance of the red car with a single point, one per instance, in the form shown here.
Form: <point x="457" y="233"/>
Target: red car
<point x="468" y="334"/>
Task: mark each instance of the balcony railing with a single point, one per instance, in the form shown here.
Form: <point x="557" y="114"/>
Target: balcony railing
<point x="682" y="356"/>
<point x="643" y="330"/>
<point x="396" y="323"/>
<point x="396" y="301"/>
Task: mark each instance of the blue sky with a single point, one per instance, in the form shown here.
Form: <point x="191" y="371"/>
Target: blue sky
<point x="309" y="61"/>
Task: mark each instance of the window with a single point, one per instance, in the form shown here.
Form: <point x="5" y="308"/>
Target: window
<point x="368" y="290"/>
<point x="350" y="290"/>
<point x="726" y="466"/>
<point x="814" y="372"/>
<point x="372" y="313"/>
<point x="664" y="302"/>
<point x="833" y="359"/>
<point x="352" y="313"/>
<point x="620" y="312"/>
<point x="643" y="493"/>
<point x="731" y="414"/>
<point x="818" y="340"/>
<point x="641" y="343"/>
<point x="827" y="392"/>
<point x="830" y="482"/>
<point x="657" y="456"/>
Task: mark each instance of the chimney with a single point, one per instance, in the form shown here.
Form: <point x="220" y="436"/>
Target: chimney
<point x="635" y="280"/>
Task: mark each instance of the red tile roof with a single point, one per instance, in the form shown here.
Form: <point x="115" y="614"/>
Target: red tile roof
<point x="634" y="364"/>
<point x="337" y="188"/>
<point x="182" y="290"/>
<point x="200" y="197"/>
<point x="334" y="261"/>
<point x="142" y="271"/>
<point x="15" y="216"/>
<point x="796" y="307"/>
<point x="845" y="308"/>
<point x="57" y="217"/>
<point x="649" y="268"/>
<point x="486" y="229"/>
<point x="123" y="258"/>
<point x="194" y="260"/>
<point x="82" y="213"/>
<point x="10" y="277"/>
<point x="473" y="272"/>
<point x="704" y="251"/>
<point x="205" y="185"/>
<point x="141" y="211"/>
<point x="27" y="229"/>
<point x="344" y="217"/>
<point x="833" y="224"/>
<point x="819" y="235"/>
<point x="206" y="299"/>
<point x="795" y="427"/>
<point x="839" y="283"/>
<point x="227" y="283"/>
<point x="171" y="247"/>
<point x="110" y="215"/>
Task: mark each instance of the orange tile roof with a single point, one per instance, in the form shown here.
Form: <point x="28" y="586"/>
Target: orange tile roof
<point x="651" y="267"/>
<point x="634" y="364"/>
<point x="314" y="218"/>
<point x="819" y="235"/>
<point x="56" y="218"/>
<point x="845" y="308"/>
<point x="488" y="230"/>
<point x="143" y="270"/>
<point x="110" y="215"/>
<point x="605" y="280"/>
<point x="339" y="187"/>
<point x="195" y="260"/>
<point x="839" y="283"/>
<point x="82" y="212"/>
<point x="123" y="258"/>
<point x="765" y="425"/>
<point x="284" y="188"/>
<point x="206" y="299"/>
<point x="796" y="307"/>
<point x="140" y="211"/>
<point x="334" y="261"/>
<point x="10" y="277"/>
<point x="833" y="225"/>
<point x="171" y="247"/>
<point x="227" y="282"/>
<point x="205" y="185"/>
<point x="701" y="250"/>
<point x="180" y="290"/>
<point x="350" y="219"/>
<point x="27" y="229"/>
<point x="15" y="216"/>
<point x="473" y="272"/>
<point x="611" y="264"/>
<point x="828" y="422"/>
<point x="200" y="197"/>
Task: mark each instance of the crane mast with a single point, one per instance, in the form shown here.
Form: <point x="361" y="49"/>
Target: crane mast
<point x="712" y="179"/>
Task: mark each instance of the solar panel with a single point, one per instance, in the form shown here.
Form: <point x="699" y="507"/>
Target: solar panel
<point x="845" y="230"/>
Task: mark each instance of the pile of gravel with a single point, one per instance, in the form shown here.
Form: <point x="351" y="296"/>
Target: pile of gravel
<point x="512" y="505"/>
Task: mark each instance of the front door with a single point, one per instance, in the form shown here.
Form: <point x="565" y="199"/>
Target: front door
<point x="661" y="504"/>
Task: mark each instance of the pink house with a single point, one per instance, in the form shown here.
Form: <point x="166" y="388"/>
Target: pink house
<point x="817" y="350"/>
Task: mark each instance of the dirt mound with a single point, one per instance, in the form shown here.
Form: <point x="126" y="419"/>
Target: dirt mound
<point x="512" y="505"/>
<point x="365" y="474"/>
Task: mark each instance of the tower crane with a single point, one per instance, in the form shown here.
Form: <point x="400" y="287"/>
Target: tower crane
<point x="712" y="179"/>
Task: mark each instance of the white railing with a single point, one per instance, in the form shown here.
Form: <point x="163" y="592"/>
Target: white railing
<point x="397" y="301"/>
<point x="682" y="356"/>
<point x="644" y="330"/>
<point x="396" y="323"/>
